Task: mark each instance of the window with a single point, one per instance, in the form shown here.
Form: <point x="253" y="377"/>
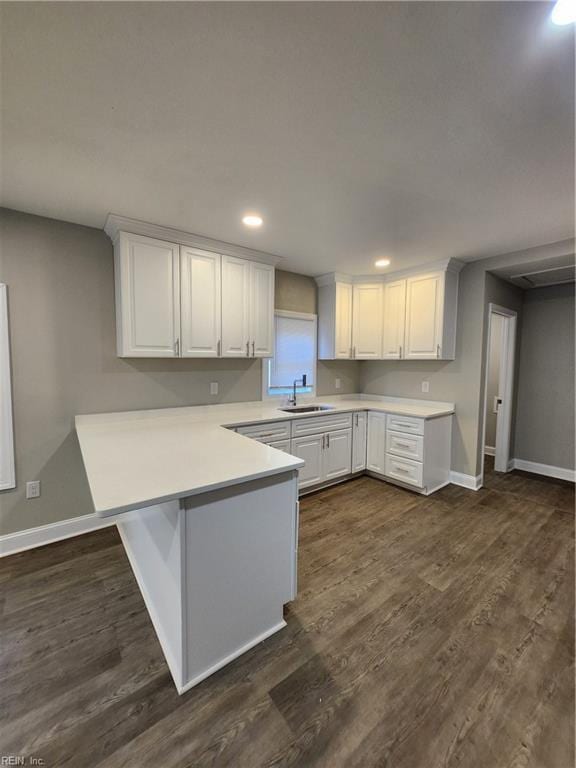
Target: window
<point x="294" y="355"/>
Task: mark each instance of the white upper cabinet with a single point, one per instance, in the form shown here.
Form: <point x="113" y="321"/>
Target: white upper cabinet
<point x="179" y="300"/>
<point x="412" y="318"/>
<point x="235" y="307"/>
<point x="335" y="320"/>
<point x="394" y="320"/>
<point x="261" y="310"/>
<point x="367" y="321"/>
<point x="200" y="303"/>
<point x="424" y="316"/>
<point x="247" y="308"/>
<point x="147" y="273"/>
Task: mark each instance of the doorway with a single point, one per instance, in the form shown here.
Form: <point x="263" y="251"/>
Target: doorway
<point x="499" y="386"/>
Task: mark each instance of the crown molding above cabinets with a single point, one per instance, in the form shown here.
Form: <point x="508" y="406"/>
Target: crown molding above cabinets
<point x="444" y="265"/>
<point x="116" y="224"/>
<point x="408" y="315"/>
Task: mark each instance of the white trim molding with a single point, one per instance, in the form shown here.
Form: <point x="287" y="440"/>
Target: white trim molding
<point x="31" y="538"/>
<point x="7" y="467"/>
<point x="489" y="450"/>
<point x="560" y="473"/>
<point x="445" y="265"/>
<point x="466" y="481"/>
<point x="116" y="224"/>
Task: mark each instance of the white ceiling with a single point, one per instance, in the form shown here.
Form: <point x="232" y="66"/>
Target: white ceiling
<point x="416" y="131"/>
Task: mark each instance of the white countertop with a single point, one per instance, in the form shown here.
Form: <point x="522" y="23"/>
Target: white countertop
<point x="138" y="458"/>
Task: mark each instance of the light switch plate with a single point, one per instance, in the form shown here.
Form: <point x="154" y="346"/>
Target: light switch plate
<point x="213" y="387"/>
<point x="425" y="386"/>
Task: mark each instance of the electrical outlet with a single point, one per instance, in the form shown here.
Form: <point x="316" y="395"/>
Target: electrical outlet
<point x="337" y="383"/>
<point x="33" y="489"/>
<point x="213" y="387"/>
<point x="425" y="386"/>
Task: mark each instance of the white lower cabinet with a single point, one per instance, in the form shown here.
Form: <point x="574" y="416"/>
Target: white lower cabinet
<point x="310" y="448"/>
<point x="407" y="450"/>
<point x="337" y="457"/>
<point x="376" y="442"/>
<point x="359" y="434"/>
<point x="327" y="456"/>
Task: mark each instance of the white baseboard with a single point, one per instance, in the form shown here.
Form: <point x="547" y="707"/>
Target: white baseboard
<point x="545" y="469"/>
<point x="489" y="450"/>
<point x="30" y="538"/>
<point x="466" y="481"/>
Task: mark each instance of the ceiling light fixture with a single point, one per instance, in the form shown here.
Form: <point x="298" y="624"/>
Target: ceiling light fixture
<point x="252" y="220"/>
<point x="564" y="12"/>
<point x="382" y="263"/>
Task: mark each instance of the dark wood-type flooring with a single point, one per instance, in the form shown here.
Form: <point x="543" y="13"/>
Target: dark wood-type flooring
<point x="427" y="632"/>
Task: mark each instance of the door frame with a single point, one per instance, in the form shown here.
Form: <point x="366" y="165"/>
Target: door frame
<point x="502" y="458"/>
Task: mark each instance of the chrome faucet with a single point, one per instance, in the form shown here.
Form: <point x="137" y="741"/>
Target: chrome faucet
<point x="301" y="381"/>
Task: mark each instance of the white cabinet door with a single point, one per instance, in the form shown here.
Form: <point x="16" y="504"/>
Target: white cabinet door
<point x="261" y="310"/>
<point x="281" y="445"/>
<point x="343" y="321"/>
<point x="200" y="303"/>
<point x="394" y="319"/>
<point x="147" y="297"/>
<point x="424" y="316"/>
<point x="310" y="449"/>
<point x="376" y="444"/>
<point x="337" y="459"/>
<point x="235" y="307"/>
<point x="359" y="425"/>
<point x="367" y="321"/>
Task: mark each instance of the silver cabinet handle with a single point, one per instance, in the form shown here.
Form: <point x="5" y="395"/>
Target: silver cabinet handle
<point x="354" y="352"/>
<point x="356" y="419"/>
<point x="323" y="441"/>
<point x="177" y="347"/>
<point x="400" y="352"/>
<point x="247" y="349"/>
<point x="438" y="350"/>
<point x="328" y="440"/>
<point x="350" y="351"/>
<point x="219" y="348"/>
<point x="253" y="349"/>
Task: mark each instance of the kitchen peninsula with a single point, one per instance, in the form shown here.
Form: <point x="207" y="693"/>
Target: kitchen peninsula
<point x="209" y="516"/>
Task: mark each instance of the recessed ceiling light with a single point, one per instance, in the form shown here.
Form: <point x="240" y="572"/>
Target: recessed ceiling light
<point x="252" y="220"/>
<point x="564" y="12"/>
<point x="382" y="263"/>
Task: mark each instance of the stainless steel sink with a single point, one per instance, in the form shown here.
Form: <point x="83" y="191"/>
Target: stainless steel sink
<point x="307" y="408"/>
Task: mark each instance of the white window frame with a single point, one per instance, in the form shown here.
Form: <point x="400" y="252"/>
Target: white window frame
<point x="7" y="468"/>
<point x="266" y="361"/>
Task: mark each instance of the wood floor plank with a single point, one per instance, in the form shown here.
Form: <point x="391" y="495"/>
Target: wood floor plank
<point x="427" y="633"/>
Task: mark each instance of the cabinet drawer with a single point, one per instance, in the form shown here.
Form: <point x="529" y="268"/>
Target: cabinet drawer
<point x="407" y="446"/>
<point x="319" y="424"/>
<point x="404" y="469"/>
<point x="281" y="445"/>
<point x="407" y="424"/>
<point x="267" y="432"/>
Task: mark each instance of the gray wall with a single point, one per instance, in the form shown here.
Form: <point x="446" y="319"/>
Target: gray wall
<point x="545" y="401"/>
<point x="62" y="329"/>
